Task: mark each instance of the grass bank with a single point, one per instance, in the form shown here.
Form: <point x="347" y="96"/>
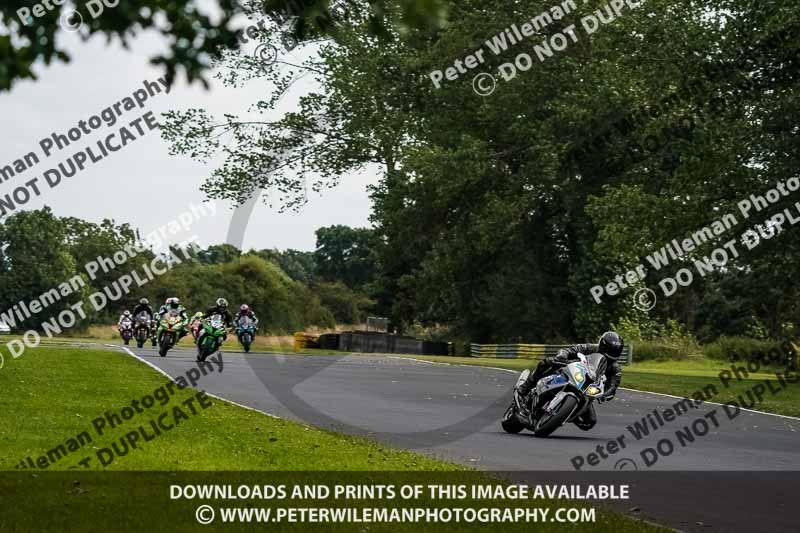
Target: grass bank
<point x="52" y="394"/>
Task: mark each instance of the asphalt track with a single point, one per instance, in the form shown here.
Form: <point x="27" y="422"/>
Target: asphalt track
<point x="737" y="476"/>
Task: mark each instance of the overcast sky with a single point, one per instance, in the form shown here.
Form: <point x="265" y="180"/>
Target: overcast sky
<point x="142" y="184"/>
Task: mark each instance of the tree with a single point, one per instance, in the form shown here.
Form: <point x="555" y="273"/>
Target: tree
<point x="346" y="254"/>
<point x="218" y="253"/>
<point x="496" y="215"/>
<point x="36" y="260"/>
<point x="193" y="35"/>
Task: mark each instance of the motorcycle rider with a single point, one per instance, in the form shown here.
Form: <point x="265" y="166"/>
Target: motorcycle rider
<point x="610" y="345"/>
<point x="220" y="308"/>
<point x="246" y="311"/>
<point x="126" y="315"/>
<point x="174" y="304"/>
<point x="195" y="323"/>
<point x="144" y="307"/>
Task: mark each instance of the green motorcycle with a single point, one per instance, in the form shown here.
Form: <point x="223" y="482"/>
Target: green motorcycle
<point x="211" y="336"/>
<point x="169" y="331"/>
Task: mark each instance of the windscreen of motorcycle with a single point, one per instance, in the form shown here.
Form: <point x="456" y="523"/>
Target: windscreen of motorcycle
<point x="596" y="363"/>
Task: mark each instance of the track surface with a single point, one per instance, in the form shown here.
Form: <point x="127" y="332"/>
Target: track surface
<point x="453" y="412"/>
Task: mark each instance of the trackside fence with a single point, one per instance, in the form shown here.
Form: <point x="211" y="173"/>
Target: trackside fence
<point x="531" y="351"/>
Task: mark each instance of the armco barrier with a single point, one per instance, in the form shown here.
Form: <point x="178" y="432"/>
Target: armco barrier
<point x="531" y="351"/>
<point x="375" y="342"/>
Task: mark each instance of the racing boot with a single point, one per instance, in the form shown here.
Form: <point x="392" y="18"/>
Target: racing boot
<point x="522" y="402"/>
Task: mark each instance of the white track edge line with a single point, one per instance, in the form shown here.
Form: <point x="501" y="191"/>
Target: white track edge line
<point x="623" y="388"/>
<point x="161" y="371"/>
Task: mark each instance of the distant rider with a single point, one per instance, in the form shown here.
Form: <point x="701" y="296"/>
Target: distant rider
<point x="144" y="307"/>
<point x="125" y="316"/>
<point x="246" y="311"/>
<point x="610" y="345"/>
<point x="174" y="305"/>
<point x="195" y="324"/>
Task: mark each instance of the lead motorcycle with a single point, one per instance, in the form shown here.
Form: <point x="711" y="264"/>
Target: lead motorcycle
<point x="169" y="331"/>
<point x="210" y="337"/>
<point x="559" y="398"/>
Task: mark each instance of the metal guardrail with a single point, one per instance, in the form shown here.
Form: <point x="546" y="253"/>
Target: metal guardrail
<point x="531" y="351"/>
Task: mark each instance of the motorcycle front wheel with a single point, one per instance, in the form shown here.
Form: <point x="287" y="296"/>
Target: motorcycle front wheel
<point x="552" y="421"/>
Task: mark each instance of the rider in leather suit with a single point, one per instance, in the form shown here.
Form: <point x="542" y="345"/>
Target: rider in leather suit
<point x="610" y="345"/>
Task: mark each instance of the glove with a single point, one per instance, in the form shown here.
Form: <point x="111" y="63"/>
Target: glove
<point x="607" y="397"/>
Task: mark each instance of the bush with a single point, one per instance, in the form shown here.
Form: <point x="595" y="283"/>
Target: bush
<point x="658" y="351"/>
<point x="777" y="353"/>
<point x="348" y="306"/>
<point x="660" y="342"/>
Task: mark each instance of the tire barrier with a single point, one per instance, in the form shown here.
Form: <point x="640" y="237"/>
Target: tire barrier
<point x="531" y="351"/>
<point x="303" y="341"/>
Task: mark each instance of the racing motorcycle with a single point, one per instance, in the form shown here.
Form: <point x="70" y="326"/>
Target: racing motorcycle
<point x="126" y="330"/>
<point x="559" y="398"/>
<point x="169" y="331"/>
<point x="211" y="336"/>
<point x="142" y="329"/>
<point x="246" y="332"/>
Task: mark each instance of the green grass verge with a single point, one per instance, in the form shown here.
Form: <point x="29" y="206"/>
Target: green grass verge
<point x="679" y="378"/>
<point x="53" y="394"/>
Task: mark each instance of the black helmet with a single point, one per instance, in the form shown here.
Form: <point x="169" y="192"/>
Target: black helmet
<point x="611" y="345"/>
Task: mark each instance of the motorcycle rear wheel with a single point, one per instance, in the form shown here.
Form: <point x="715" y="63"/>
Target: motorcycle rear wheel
<point x="556" y="419"/>
<point x="510" y="422"/>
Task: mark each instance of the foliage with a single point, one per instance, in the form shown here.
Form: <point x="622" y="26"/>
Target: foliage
<point x="346" y="254"/>
<point x="777" y="353"/>
<point x="35" y="259"/>
<point x="298" y="265"/>
<point x="41" y="251"/>
<point x="496" y="216"/>
<point x="346" y="305"/>
<point x="194" y="35"/>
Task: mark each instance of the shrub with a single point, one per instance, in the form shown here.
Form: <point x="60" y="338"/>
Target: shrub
<point x="658" y="351"/>
<point x="777" y="353"/>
